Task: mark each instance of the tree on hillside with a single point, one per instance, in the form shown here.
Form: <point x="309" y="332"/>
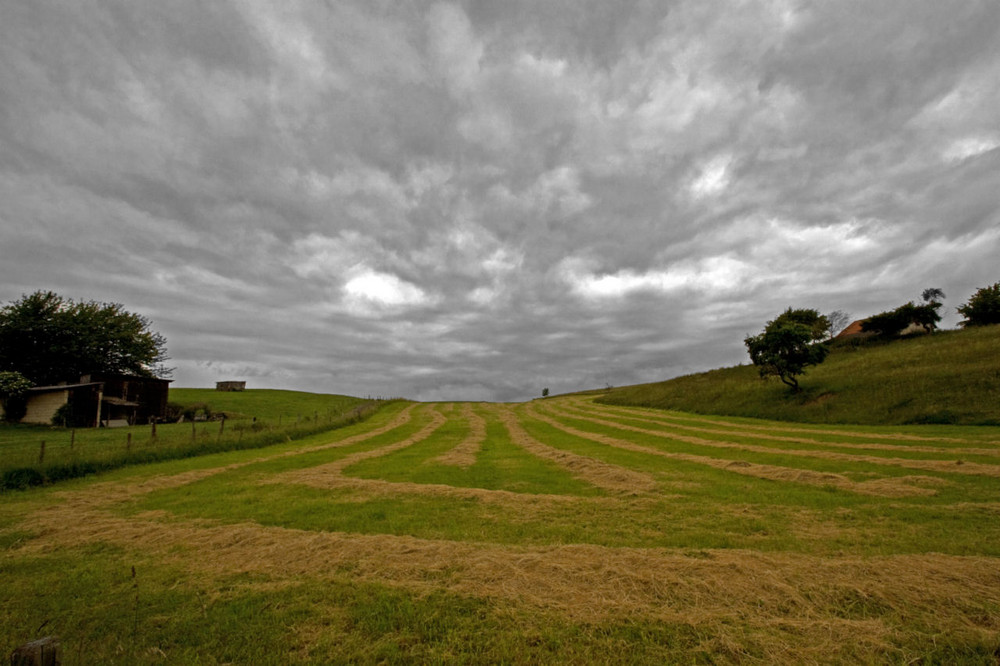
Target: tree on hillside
<point x="49" y="339"/>
<point x="839" y="320"/>
<point x="789" y="344"/>
<point x="983" y="307"/>
<point x="932" y="295"/>
<point x="891" y="323"/>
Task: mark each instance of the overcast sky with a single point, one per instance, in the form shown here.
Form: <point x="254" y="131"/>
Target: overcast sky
<point x="481" y="199"/>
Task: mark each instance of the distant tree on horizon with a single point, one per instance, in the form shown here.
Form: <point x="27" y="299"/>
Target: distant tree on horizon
<point x="982" y="308"/>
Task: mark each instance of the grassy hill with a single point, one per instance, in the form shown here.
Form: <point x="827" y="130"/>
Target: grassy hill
<point x="951" y="377"/>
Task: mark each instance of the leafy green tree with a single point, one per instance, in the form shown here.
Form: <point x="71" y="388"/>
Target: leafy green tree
<point x="49" y="339"/>
<point x="983" y="307"/>
<point x="13" y="387"/>
<point x="893" y="322"/>
<point x="789" y="344"/>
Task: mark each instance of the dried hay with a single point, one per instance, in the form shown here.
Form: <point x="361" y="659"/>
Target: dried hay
<point x="598" y="473"/>
<point x="589" y="403"/>
<point x="583" y="582"/>
<point x="952" y="466"/>
<point x="749" y="431"/>
<point x="464" y="454"/>
<point x="889" y="487"/>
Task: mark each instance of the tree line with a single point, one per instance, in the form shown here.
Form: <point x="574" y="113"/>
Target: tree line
<point x="46" y="339"/>
<point x="799" y="338"/>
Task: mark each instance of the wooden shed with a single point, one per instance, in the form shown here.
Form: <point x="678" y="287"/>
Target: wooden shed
<point x="105" y="399"/>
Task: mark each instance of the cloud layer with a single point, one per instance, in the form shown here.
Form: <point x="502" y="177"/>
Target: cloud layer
<point x="476" y="200"/>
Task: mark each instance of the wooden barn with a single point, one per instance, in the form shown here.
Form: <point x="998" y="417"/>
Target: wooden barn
<point x="106" y="400"/>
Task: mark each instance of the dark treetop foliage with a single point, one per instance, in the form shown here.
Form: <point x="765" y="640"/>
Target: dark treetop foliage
<point x="49" y="339"/>
<point x="789" y="344"/>
<point x="893" y="322"/>
<point x="983" y="307"/>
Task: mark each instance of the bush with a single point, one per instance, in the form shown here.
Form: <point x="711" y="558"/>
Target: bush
<point x="983" y="308"/>
<point x="197" y="411"/>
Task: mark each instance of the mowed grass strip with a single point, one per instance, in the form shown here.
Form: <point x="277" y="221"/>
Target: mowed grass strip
<point x="499" y="464"/>
<point x="775" y="453"/>
<point x="876" y="442"/>
<point x="887" y="605"/>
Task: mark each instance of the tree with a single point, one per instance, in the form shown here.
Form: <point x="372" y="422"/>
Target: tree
<point x="839" y="320"/>
<point x="13" y="387"/>
<point x="932" y="295"/>
<point x="789" y="344"/>
<point x="983" y="307"/>
<point x="49" y="339"/>
<point x="891" y="323"/>
<point x="545" y="393"/>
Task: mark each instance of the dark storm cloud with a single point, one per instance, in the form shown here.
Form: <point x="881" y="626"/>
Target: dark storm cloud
<point x="483" y="199"/>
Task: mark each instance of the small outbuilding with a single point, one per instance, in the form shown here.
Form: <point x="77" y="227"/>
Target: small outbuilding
<point x="105" y="399"/>
<point x="230" y="386"/>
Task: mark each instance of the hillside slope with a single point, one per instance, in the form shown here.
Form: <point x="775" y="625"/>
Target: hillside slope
<point x="949" y="377"/>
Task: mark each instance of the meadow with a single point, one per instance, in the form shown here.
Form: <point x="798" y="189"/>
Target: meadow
<point x="556" y="531"/>
<point x="36" y="454"/>
<point x="950" y="377"/>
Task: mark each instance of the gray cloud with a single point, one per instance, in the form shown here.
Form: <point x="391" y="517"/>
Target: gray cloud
<point x="478" y="199"/>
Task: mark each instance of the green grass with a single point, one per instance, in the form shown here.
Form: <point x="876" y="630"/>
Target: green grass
<point x="34" y="455"/>
<point x="951" y="377"/>
<point x="276" y="555"/>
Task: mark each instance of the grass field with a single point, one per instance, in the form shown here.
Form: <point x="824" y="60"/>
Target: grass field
<point x="948" y="377"/>
<point x="34" y="454"/>
<point x="555" y="531"/>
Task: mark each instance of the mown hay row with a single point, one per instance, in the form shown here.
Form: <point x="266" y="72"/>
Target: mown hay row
<point x="336" y="468"/>
<point x="598" y="473"/>
<point x="739" y="431"/>
<point x="952" y="466"/>
<point x="590" y="402"/>
<point x="583" y="582"/>
<point x="893" y="487"/>
<point x="464" y="454"/>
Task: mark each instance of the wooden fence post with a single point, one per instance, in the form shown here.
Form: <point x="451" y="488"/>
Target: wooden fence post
<point x="153" y="422"/>
<point x="128" y="443"/>
<point x="72" y="438"/>
<point x="43" y="652"/>
<point x="194" y="434"/>
<point x="41" y="453"/>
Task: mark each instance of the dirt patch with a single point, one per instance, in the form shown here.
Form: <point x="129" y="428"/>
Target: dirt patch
<point x="601" y="474"/>
<point x="464" y="454"/>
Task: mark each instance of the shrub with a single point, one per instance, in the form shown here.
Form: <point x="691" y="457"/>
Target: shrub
<point x="983" y="308"/>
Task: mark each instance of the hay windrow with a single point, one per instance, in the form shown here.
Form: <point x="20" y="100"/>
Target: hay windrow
<point x="464" y="454"/>
<point x="598" y="473"/>
<point x="956" y="466"/>
<point x="889" y="487"/>
<point x="338" y="466"/>
<point x="738" y="430"/>
<point x="583" y="582"/>
<point x="589" y="403"/>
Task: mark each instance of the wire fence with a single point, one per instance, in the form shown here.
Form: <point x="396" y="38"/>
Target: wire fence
<point x="37" y="455"/>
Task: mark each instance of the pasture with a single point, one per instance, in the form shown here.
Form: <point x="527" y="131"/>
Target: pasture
<point x="555" y="531"/>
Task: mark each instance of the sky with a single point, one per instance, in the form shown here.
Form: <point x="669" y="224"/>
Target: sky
<point x="477" y="200"/>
